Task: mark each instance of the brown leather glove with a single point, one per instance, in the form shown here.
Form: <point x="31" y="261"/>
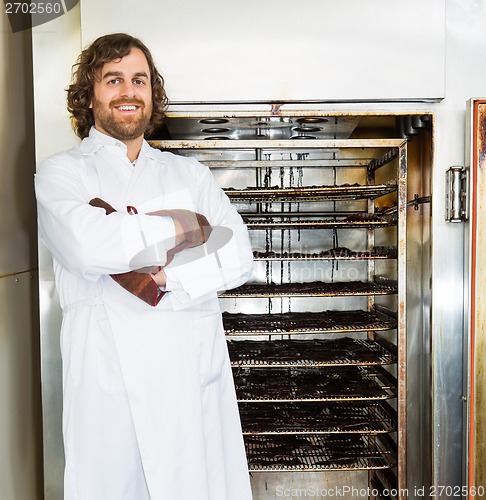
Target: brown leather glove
<point x="142" y="285"/>
<point x="193" y="229"/>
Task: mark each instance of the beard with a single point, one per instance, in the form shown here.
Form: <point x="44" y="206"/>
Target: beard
<point x="122" y="128"/>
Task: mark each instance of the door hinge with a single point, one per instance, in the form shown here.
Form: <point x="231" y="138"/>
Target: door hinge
<point x="457" y="195"/>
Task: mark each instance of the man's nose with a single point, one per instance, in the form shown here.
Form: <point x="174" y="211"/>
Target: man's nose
<point x="128" y="89"/>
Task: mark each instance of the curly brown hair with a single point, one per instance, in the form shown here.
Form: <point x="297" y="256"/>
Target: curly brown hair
<point x="106" y="49"/>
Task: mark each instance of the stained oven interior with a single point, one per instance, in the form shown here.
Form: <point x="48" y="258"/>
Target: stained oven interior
<point x="329" y="338"/>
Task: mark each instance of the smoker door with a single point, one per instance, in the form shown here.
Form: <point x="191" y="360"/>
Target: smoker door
<point x="475" y="314"/>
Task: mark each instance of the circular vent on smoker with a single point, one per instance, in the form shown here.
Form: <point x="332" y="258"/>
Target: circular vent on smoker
<point x="215" y="130"/>
<point x="312" y="120"/>
<point x="213" y="121"/>
<point x="306" y="130"/>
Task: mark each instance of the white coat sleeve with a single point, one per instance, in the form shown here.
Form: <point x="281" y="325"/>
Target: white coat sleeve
<point x="82" y="238"/>
<point x="211" y="272"/>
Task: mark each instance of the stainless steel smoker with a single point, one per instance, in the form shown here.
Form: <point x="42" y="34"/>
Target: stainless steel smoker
<point x="331" y="329"/>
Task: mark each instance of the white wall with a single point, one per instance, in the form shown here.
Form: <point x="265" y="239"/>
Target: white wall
<point x="20" y="408"/>
<point x="285" y="50"/>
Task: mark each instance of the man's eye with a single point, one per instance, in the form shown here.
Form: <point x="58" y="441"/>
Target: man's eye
<point x="113" y="81"/>
<point x="138" y="82"/>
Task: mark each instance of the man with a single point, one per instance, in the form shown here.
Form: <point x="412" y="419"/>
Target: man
<point x="149" y="403"/>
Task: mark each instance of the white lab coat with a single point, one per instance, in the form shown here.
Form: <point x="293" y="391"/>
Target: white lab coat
<point x="149" y="403"/>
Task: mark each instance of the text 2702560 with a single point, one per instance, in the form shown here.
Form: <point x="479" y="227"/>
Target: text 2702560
<point x="33" y="8"/>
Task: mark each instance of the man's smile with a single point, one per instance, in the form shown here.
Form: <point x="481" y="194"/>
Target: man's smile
<point x="127" y="107"/>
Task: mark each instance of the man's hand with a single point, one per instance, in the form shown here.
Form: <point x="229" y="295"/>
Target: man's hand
<point x="160" y="278"/>
<point x="192" y="228"/>
<point x="180" y="237"/>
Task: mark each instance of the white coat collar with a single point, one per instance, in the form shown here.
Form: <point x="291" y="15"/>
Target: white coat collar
<point x="97" y="140"/>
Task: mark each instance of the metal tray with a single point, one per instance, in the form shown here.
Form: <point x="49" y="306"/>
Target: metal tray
<point x="306" y="322"/>
<point x="343" y="351"/>
<point x="310" y="193"/>
<point x="313" y="289"/>
<point x="348" y="383"/>
<point x="317" y="418"/>
<point x="316" y="453"/>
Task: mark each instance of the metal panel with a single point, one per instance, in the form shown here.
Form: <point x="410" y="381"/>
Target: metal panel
<point x="20" y="419"/>
<point x="53" y="133"/>
<point x="419" y="293"/>
<point x="274" y="485"/>
<point x="17" y="203"/>
<point x="282" y="50"/>
<point x="51" y="376"/>
<point x="20" y="425"/>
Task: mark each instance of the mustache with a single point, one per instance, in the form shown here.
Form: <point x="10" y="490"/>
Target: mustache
<point x="127" y="102"/>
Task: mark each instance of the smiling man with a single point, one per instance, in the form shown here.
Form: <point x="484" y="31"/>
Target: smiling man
<point x="149" y="409"/>
<point x="122" y="100"/>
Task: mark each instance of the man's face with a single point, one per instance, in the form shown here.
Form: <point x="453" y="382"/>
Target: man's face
<point x="122" y="97"/>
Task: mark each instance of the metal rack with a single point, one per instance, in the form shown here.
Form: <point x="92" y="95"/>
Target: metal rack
<point x="298" y="411"/>
<point x="313" y="289"/>
<point x="344" y="351"/>
<point x="331" y="254"/>
<point x="311" y="193"/>
<point x="363" y="417"/>
<point x="294" y="323"/>
<point x="315" y="384"/>
<point x="334" y="223"/>
<point x="318" y="453"/>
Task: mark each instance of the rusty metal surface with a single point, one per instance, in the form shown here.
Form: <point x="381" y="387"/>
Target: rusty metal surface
<point x="277" y="144"/>
<point x="476" y="421"/>
<point x="402" y="320"/>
